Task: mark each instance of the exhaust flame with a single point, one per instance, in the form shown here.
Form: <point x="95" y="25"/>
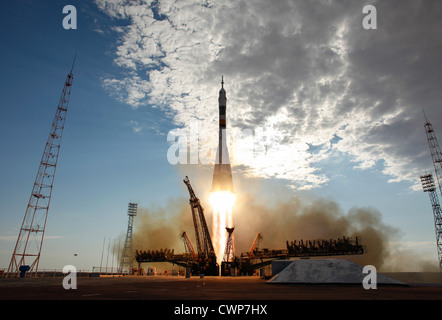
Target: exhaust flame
<point x="222" y="203"/>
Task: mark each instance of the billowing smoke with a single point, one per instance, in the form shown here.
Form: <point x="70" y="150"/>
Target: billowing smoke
<point x="160" y="227"/>
<point x="320" y="219"/>
<point x="279" y="218"/>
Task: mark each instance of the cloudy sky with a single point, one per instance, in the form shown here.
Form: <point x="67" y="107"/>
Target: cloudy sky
<point x="317" y="105"/>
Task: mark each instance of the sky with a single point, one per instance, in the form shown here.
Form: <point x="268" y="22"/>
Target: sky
<point x="318" y="107"/>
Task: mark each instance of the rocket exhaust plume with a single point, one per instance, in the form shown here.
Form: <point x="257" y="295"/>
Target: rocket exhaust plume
<point x="222" y="197"/>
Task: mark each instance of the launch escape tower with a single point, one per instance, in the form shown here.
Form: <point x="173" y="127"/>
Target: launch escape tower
<point x="127" y="256"/>
<point x="27" y="251"/>
<point x="429" y="185"/>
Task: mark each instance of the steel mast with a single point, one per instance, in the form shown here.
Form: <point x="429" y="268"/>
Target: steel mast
<point x="29" y="243"/>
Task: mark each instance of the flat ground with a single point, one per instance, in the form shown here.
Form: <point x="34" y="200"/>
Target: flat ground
<point x="421" y="287"/>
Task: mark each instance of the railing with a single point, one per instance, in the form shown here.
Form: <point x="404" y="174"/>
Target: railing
<point x="47" y="273"/>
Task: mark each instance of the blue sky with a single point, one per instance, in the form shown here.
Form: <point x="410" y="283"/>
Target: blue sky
<point x="341" y="105"/>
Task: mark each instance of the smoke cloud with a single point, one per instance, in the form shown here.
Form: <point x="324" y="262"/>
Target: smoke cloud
<point x="320" y="219"/>
<point x="280" y="215"/>
<point x="160" y="227"/>
<point x="278" y="218"/>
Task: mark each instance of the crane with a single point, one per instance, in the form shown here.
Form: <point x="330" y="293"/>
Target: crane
<point x="188" y="245"/>
<point x="255" y="244"/>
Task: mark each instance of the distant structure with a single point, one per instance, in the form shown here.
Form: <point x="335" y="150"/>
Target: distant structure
<point x="27" y="251"/>
<point x="127" y="256"/>
<point x="429" y="185"/>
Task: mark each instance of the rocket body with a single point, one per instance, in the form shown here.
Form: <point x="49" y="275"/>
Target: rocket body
<point x="222" y="174"/>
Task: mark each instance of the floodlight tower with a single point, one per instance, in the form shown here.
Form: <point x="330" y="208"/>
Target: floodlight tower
<point x="429" y="186"/>
<point x="436" y="154"/>
<point x="127" y="256"/>
<point x="27" y="251"/>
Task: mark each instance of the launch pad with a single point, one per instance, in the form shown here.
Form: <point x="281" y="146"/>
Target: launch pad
<point x="204" y="260"/>
<point x="198" y="290"/>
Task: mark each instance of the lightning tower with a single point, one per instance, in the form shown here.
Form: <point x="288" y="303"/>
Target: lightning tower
<point x="127" y="256"/>
<point x="27" y="250"/>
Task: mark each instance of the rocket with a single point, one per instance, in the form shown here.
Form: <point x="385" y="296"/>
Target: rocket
<point x="222" y="174"/>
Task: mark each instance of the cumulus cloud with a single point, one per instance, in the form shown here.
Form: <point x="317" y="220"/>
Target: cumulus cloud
<point x="304" y="74"/>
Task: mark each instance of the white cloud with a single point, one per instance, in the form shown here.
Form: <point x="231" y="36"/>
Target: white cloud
<point x="305" y="72"/>
<point x="136" y="127"/>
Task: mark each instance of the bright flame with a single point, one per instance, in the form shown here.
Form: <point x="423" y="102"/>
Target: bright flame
<point x="222" y="203"/>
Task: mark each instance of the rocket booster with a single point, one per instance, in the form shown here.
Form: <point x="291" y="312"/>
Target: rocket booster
<point x="222" y="174"/>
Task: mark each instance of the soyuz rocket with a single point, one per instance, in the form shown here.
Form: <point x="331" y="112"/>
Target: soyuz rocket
<point x="222" y="174"/>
